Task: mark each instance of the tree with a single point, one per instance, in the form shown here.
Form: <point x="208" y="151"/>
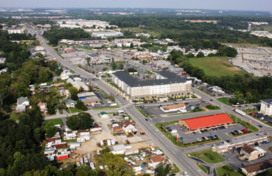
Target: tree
<point x="162" y="170"/>
<point x="81" y="89"/>
<point x="81" y="121"/>
<point x="81" y="105"/>
<point x="51" y="130"/>
<point x="111" y="96"/>
<point x="200" y="54"/>
<point x="88" y="60"/>
<point x="113" y="65"/>
<point x="117" y="166"/>
<point x="131" y="45"/>
<point x="67" y="86"/>
<point x="121" y="66"/>
<point x="74" y="97"/>
<point x="104" y="69"/>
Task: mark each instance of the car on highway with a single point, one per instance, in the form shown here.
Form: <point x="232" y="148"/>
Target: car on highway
<point x="124" y="98"/>
<point x="260" y="126"/>
<point x="146" y="119"/>
<point x="198" y="139"/>
<point x="117" y="94"/>
<point x="185" y="173"/>
<point x="211" y="100"/>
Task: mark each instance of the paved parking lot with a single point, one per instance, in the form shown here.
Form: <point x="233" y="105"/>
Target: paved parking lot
<point x="155" y="110"/>
<point x="264" y="118"/>
<point x="192" y="137"/>
<point x="208" y="90"/>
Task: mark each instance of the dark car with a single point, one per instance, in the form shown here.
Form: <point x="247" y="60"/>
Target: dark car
<point x="165" y="101"/>
<point x="211" y="100"/>
<point x="260" y="126"/>
<point x="146" y="119"/>
<point x="145" y="102"/>
<point x="216" y="136"/>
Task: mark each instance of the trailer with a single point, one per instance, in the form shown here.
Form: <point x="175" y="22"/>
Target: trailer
<point x="60" y="157"/>
<point x="240" y="112"/>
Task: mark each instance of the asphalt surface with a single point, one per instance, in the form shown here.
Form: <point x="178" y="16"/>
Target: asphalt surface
<point x="176" y="154"/>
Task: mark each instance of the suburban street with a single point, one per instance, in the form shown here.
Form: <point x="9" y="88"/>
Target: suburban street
<point x="176" y="154"/>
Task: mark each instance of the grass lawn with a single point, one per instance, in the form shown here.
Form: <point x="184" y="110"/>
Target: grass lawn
<point x="222" y="172"/>
<point x="54" y="121"/>
<point x="216" y="66"/>
<point x="265" y="27"/>
<point x="225" y="101"/>
<point x="14" y="115"/>
<point x="139" y="30"/>
<point x="175" y="170"/>
<point x="202" y="168"/>
<point x="74" y="110"/>
<point x="105" y="108"/>
<point x="208" y="156"/>
<point x="251" y="127"/>
<point x="142" y="112"/>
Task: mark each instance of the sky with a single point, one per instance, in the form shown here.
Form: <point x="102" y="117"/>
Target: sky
<point x="259" y="5"/>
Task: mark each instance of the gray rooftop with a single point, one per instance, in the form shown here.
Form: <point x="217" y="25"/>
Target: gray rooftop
<point x="93" y="55"/>
<point x="21" y="100"/>
<point x="133" y="82"/>
<point x="269" y="101"/>
<point x="70" y="102"/>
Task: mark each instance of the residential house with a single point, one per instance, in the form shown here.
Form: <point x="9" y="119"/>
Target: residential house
<point x="23" y="101"/>
<point x="70" y="103"/>
<point x="43" y="106"/>
<point x="104" y="115"/>
<point x="4" y="70"/>
<point x="128" y="126"/>
<point x="2" y="60"/>
<point x="20" y="108"/>
<point x="117" y="130"/>
<point x="155" y="160"/>
<point x="65" y="74"/>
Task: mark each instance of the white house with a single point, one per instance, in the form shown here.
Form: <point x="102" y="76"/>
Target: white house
<point x="20" y="108"/>
<point x="65" y="74"/>
<point x="23" y="101"/>
<point x="128" y="126"/>
<point x="104" y="115"/>
<point x="118" y="149"/>
<point x="39" y="48"/>
<point x="155" y="160"/>
<point x="266" y="107"/>
<point x="4" y="70"/>
<point x="70" y="103"/>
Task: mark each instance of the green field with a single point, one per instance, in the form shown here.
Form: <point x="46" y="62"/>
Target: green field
<point x="216" y="66"/>
<point x="262" y="27"/>
<point x="14" y="115"/>
<point x="139" y="30"/>
<point x="222" y="172"/>
<point x="225" y="101"/>
<point x="74" y="110"/>
<point x="54" y="122"/>
<point x="208" y="156"/>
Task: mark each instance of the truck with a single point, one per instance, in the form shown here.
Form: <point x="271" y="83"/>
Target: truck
<point x="240" y="112"/>
<point x="113" y="104"/>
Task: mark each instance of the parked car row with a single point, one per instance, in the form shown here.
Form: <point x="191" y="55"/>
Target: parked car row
<point x="239" y="132"/>
<point x="212" y="129"/>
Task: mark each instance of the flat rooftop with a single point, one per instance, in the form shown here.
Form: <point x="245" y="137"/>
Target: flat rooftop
<point x="173" y="106"/>
<point x="133" y="82"/>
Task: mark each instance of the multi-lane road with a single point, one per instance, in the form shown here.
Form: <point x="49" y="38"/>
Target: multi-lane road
<point x="176" y="154"/>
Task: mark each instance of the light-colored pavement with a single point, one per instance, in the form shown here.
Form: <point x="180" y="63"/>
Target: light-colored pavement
<point x="176" y="154"/>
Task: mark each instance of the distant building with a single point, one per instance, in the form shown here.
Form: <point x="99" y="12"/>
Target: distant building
<point x="23" y="101"/>
<point x="155" y="161"/>
<point x="118" y="149"/>
<point x="107" y="34"/>
<point x="15" y="30"/>
<point x="70" y="103"/>
<point x="173" y="108"/>
<point x="43" y="106"/>
<point x="88" y="98"/>
<point x="2" y="60"/>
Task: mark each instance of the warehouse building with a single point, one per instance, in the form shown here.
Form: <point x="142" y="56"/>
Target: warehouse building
<point x="88" y="98"/>
<point x="174" y="107"/>
<point x="166" y="85"/>
<point x="203" y="122"/>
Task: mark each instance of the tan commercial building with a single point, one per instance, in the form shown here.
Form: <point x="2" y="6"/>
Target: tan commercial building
<point x="166" y="84"/>
<point x="88" y="98"/>
<point x="234" y="143"/>
<point x="257" y="168"/>
<point x="174" y="107"/>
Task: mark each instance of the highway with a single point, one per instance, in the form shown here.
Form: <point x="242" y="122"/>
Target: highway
<point x="176" y="154"/>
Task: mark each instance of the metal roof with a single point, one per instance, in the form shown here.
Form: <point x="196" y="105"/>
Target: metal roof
<point x="267" y="101"/>
<point x="133" y="82"/>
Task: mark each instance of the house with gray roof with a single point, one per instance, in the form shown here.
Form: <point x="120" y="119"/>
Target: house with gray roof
<point x="70" y="103"/>
<point x="166" y="84"/>
<point x="23" y="101"/>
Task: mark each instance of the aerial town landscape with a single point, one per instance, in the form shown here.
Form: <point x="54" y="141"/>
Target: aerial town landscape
<point x="124" y="91"/>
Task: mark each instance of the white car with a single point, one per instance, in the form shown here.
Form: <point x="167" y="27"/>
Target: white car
<point x="198" y="139"/>
<point x="185" y="173"/>
<point x="98" y="152"/>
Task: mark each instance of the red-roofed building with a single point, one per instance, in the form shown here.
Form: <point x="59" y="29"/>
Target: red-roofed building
<point x="205" y="121"/>
<point x="155" y="160"/>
